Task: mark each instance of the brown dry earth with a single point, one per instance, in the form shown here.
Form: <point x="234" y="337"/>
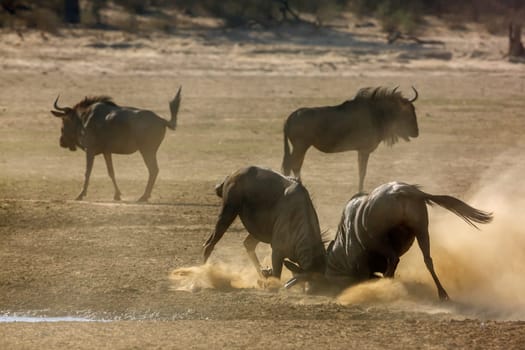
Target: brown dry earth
<point x="107" y="260"/>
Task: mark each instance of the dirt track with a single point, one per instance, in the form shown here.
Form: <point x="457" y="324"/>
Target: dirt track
<point x="107" y="260"/>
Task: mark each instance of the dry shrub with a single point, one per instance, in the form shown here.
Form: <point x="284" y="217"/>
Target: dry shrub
<point x="127" y="23"/>
<point x="4" y="19"/>
<point x="134" y="6"/>
<point x="43" y="19"/>
<point x="135" y="24"/>
<point x="496" y="25"/>
<point x="327" y="10"/>
<point x="166" y="25"/>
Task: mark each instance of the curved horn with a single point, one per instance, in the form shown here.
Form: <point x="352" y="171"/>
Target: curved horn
<point x="394" y="90"/>
<point x="62" y="109"/>
<point x="291" y="282"/>
<point x="415" y="97"/>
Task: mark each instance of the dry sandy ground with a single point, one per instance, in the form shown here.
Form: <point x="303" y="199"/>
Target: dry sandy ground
<point x="111" y="261"/>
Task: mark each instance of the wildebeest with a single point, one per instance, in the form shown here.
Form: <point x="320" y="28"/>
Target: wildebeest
<point x="373" y="115"/>
<point x="276" y="210"/>
<point x="98" y="125"/>
<point x="378" y="228"/>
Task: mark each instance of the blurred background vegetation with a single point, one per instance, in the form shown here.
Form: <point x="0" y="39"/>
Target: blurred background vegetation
<point x="393" y="15"/>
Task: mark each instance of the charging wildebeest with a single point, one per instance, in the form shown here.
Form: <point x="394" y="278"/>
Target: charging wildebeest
<point x="276" y="210"/>
<point x="98" y="125"/>
<point x="376" y="229"/>
<point x="372" y="116"/>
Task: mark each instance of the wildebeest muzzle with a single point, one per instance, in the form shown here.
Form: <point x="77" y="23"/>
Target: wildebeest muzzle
<point x="68" y="144"/>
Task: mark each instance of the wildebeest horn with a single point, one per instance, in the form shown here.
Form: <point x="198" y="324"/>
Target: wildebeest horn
<point x="415" y="97"/>
<point x="62" y="109"/>
<point x="291" y="282"/>
<point x="397" y="87"/>
<point x="299" y="273"/>
<point x="302" y="277"/>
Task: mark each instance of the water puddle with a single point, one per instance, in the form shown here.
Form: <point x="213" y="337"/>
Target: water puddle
<point x="37" y="319"/>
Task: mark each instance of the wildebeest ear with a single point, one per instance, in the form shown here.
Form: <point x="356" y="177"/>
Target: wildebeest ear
<point x="218" y="189"/>
<point x="58" y="114"/>
<point x="295" y="268"/>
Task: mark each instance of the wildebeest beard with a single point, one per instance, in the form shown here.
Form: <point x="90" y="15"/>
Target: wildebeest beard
<point x="66" y="143"/>
<point x="71" y="133"/>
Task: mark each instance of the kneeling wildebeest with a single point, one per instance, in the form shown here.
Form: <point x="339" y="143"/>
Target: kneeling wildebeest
<point x="276" y="210"/>
<point x="98" y="125"/>
<point x="372" y="116"/>
<point x="376" y="229"/>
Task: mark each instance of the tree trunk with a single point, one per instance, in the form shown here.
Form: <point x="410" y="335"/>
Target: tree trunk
<point x="515" y="45"/>
<point x="72" y="11"/>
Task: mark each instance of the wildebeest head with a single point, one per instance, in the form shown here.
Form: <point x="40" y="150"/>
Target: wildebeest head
<point x="299" y="220"/>
<point x="315" y="282"/>
<point x="71" y="125"/>
<point x="404" y="114"/>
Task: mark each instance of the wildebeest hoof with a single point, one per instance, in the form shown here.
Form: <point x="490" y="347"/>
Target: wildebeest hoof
<point x="444" y="297"/>
<point x="143" y="199"/>
<point x="116" y="197"/>
<point x="80" y="197"/>
<point x="266" y="272"/>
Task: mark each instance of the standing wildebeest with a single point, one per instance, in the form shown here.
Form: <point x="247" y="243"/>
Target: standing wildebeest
<point x="275" y="210"/>
<point x="376" y="229"/>
<point x="372" y="116"/>
<point x="98" y="125"/>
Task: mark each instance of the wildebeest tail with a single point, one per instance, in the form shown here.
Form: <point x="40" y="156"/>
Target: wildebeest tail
<point x="174" y="110"/>
<point x="463" y="210"/>
<point x="286" y="166"/>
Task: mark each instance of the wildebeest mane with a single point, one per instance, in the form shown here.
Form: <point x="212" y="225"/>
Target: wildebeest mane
<point x="89" y="100"/>
<point x="325" y="233"/>
<point x="382" y="99"/>
<point x="378" y="93"/>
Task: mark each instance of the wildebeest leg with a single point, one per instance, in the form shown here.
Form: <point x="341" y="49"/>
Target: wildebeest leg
<point x="277" y="263"/>
<point x="391" y="265"/>
<point x="362" y="160"/>
<point x="226" y="217"/>
<point x="389" y="259"/>
<point x="90" y="159"/>
<point x="111" y="173"/>
<point x="423" y="241"/>
<point x="297" y="158"/>
<point x="250" y="243"/>
<point x="150" y="158"/>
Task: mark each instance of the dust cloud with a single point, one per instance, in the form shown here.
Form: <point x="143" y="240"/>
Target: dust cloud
<point x="482" y="270"/>
<point x="374" y="291"/>
<point x="227" y="269"/>
<point x="212" y="276"/>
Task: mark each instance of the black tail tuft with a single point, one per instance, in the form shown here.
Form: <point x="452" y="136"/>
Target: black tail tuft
<point x="286" y="166"/>
<point x="470" y="214"/>
<point x="174" y="109"/>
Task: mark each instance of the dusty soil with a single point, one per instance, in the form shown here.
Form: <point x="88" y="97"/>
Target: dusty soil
<point x="111" y="261"/>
